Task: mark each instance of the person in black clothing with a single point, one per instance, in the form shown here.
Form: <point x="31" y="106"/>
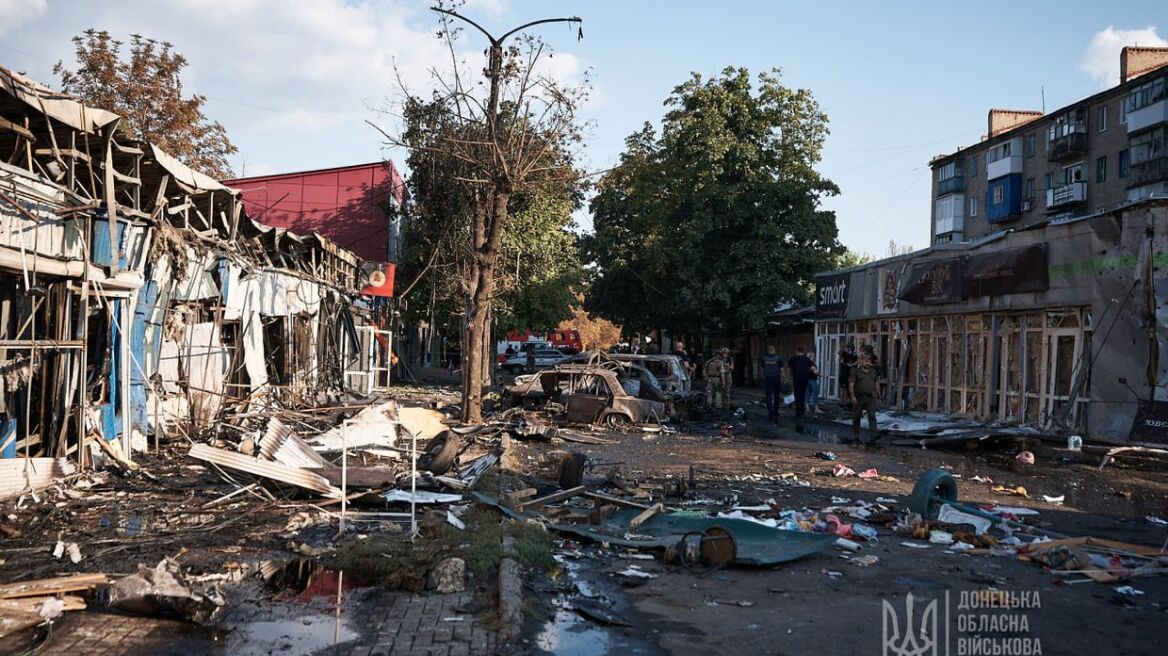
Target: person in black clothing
<point x="772" y="372"/>
<point x="801" y="367"/>
<point x="847" y="361"/>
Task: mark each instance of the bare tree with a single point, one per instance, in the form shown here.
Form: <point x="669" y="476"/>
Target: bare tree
<point x="497" y="146"/>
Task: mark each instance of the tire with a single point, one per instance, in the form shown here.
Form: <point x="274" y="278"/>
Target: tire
<point x="616" y="420"/>
<point x="440" y="453"/>
<point x="933" y="489"/>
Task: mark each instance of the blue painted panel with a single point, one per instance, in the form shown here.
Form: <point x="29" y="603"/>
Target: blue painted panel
<point x="100" y="252"/>
<point x="8" y="432"/>
<point x="111" y="421"/>
<point x="224" y="280"/>
<point x="147" y="297"/>
<point x="1010" y="206"/>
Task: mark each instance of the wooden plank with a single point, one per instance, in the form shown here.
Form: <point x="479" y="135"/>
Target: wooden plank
<point x="616" y="501"/>
<point x="59" y="585"/>
<point x="14" y="621"/>
<point x="645" y="514"/>
<point x="5" y="124"/>
<point x="272" y="470"/>
<point x="562" y="495"/>
<point x="33" y="604"/>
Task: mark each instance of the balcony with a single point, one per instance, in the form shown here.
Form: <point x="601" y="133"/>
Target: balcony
<point x="1147" y="116"/>
<point x="1072" y="143"/>
<point x="1149" y="172"/>
<point x="1003" y="166"/>
<point x="1066" y="195"/>
<point x="950" y="185"/>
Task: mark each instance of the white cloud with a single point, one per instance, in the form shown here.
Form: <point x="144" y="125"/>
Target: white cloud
<point x="14" y="13"/>
<point x="291" y="80"/>
<point x="1100" y="59"/>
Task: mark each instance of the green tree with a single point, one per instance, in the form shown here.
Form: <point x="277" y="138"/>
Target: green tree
<point x="147" y="91"/>
<point x="715" y="222"/>
<point x="503" y="144"/>
<point x="850" y="258"/>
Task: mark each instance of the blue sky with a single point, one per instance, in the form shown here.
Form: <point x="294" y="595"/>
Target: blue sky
<point x="294" y="80"/>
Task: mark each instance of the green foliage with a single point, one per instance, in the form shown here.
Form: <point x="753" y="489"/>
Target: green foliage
<point x="539" y="274"/>
<point x="850" y="258"/>
<point x="715" y="222"/>
<point x="147" y="91"/>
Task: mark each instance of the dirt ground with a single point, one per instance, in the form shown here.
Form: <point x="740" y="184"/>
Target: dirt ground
<point x="825" y="603"/>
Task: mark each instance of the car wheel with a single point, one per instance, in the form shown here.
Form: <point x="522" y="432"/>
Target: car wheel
<point x="440" y="453"/>
<point x="616" y="420"/>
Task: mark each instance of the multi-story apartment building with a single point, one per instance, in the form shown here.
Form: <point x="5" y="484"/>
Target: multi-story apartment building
<point x="1042" y="295"/>
<point x="1092" y="155"/>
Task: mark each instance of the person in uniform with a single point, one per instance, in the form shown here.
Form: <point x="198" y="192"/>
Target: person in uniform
<point x="863" y="389"/>
<point x="718" y="370"/>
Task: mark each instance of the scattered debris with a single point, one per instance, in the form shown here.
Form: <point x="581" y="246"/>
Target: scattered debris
<point x="163" y="590"/>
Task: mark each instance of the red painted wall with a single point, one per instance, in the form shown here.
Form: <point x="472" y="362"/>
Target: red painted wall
<point x="346" y="204"/>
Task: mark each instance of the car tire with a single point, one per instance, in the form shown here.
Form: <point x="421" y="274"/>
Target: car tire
<point x="616" y="420"/>
<point x="934" y="489"/>
<point x="440" y="453"/>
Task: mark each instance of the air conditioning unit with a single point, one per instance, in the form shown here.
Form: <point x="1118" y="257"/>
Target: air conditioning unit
<point x="1026" y="205"/>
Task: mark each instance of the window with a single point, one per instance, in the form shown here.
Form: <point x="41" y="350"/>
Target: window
<point x="1124" y="162"/>
<point x="1149" y="146"/>
<point x="1028" y="144"/>
<point x="1148" y="93"/>
<point x="1048" y="181"/>
<point x="1073" y="173"/>
<point x="1067" y="123"/>
<point x="973" y="205"/>
<point x="948" y="170"/>
<point x="1101" y="118"/>
<point x="1029" y="188"/>
<point x="999" y="194"/>
<point x="973" y="166"/>
<point x="1101" y="169"/>
<point x="1123" y="112"/>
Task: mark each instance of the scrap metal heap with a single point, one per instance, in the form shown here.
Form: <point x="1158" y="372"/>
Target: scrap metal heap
<point x="138" y="298"/>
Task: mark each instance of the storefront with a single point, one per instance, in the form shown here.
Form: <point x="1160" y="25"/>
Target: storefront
<point x="1055" y="326"/>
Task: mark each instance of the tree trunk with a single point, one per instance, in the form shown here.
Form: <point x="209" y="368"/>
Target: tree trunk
<point x="478" y="329"/>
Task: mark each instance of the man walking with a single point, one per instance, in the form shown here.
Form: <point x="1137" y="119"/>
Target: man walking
<point x="772" y="376"/>
<point x="863" y="390"/>
<point x="801" y="367"/>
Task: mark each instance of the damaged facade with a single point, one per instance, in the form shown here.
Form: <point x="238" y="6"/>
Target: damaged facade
<point x="156" y="321"/>
<point x="1046" y="315"/>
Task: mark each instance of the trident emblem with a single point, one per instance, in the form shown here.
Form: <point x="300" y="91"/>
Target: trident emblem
<point x="910" y="641"/>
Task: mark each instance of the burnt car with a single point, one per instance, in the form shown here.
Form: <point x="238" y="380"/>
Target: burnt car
<point x="590" y="394"/>
<point x="669" y="370"/>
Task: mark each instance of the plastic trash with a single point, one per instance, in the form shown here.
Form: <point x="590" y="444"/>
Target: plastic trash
<point x="1129" y="591"/>
<point x="825" y="455"/>
<point x="864" y="531"/>
<point x="1075" y="442"/>
<point x="1025" y="457"/>
<point x="940" y="537"/>
<point x="835" y="525"/>
<point x="950" y="515"/>
<point x="869" y="473"/>
<point x="842" y="470"/>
